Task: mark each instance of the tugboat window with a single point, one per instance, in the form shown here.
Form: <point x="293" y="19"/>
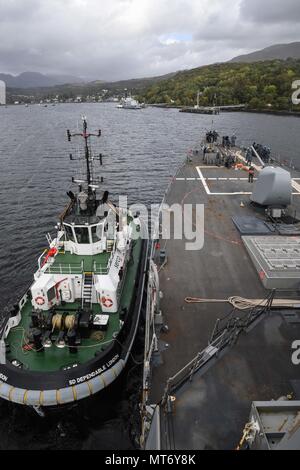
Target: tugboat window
<point x="97" y="233"/>
<point x="51" y="294"/>
<point x="82" y="235"/>
<point x="69" y="233"/>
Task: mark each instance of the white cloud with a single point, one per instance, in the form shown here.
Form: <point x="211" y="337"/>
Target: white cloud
<point x="134" y="38"/>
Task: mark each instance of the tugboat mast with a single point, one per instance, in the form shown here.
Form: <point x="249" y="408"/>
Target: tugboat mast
<point x="87" y="153"/>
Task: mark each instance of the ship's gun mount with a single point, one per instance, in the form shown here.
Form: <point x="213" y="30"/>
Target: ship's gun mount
<point x="273" y="190"/>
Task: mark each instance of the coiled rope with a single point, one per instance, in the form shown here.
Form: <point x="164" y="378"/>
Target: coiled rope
<point x="70" y="322"/>
<point x="241" y="303"/>
<point x="57" y="320"/>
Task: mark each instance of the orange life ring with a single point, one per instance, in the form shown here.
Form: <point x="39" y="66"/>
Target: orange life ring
<point x="39" y="300"/>
<point x="107" y="302"/>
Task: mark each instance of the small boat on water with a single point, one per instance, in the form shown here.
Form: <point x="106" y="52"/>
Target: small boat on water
<point x="129" y="103"/>
<point x="71" y="334"/>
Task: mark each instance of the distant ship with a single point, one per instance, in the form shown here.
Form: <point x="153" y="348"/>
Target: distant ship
<point x="129" y="103"/>
<point x="71" y="334"/>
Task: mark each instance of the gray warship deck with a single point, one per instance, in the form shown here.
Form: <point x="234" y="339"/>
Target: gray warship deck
<point x="211" y="410"/>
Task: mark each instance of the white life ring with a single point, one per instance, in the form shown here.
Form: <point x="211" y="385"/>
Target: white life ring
<point x="39" y="300"/>
<point x="107" y="302"/>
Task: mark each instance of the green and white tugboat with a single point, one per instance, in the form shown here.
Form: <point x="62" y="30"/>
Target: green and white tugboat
<point x="71" y="334"/>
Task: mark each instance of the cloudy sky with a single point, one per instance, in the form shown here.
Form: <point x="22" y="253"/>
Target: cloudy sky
<point x="116" y="39"/>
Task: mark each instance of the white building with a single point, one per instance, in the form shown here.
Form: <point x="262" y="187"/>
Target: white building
<point x="2" y="92"/>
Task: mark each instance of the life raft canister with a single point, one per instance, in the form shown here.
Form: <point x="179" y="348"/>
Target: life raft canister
<point x="51" y="253"/>
<point x="107" y="302"/>
<point x="39" y="300"/>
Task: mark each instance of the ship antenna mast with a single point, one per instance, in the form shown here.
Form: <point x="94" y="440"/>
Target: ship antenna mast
<point x="87" y="152"/>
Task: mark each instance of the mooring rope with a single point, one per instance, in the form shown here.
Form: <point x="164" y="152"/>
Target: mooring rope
<point x="241" y="303"/>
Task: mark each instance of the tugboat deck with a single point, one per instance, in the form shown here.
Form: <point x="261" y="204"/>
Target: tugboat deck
<point x="55" y="358"/>
<point x="211" y="411"/>
<point x="68" y="262"/>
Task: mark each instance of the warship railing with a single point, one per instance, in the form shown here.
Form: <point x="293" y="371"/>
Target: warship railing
<point x="225" y="334"/>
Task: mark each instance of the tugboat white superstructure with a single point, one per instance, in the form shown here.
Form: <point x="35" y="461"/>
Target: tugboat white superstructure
<point x="71" y="334"/>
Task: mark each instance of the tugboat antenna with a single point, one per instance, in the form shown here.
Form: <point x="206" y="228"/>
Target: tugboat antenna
<point x="86" y="136"/>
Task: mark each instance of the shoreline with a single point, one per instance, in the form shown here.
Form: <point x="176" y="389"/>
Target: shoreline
<point x="234" y="110"/>
<point x="272" y="112"/>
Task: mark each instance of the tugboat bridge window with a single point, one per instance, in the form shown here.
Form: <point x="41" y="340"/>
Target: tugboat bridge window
<point x="69" y="232"/>
<point x="97" y="233"/>
<point x="82" y="235"/>
<point x="51" y="294"/>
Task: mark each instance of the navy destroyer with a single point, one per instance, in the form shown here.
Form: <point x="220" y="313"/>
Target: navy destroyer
<point x="222" y="357"/>
<point x="71" y="334"/>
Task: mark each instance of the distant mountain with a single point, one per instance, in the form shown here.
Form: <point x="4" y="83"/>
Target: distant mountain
<point x="278" y="51"/>
<point x="132" y="84"/>
<point x="37" y="80"/>
<point x="72" y="89"/>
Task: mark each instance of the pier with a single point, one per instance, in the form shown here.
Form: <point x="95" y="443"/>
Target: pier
<point x="213" y="109"/>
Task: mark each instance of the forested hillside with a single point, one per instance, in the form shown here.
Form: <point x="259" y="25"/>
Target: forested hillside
<point x="259" y="85"/>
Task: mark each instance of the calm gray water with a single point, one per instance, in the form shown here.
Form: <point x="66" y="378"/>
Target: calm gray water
<point x="142" y="150"/>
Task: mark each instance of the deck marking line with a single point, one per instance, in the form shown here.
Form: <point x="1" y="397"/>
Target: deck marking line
<point x="296" y="186"/>
<point x="203" y="180"/>
<point x="231" y="194"/>
<point x="247" y="179"/>
<point x="206" y="166"/>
